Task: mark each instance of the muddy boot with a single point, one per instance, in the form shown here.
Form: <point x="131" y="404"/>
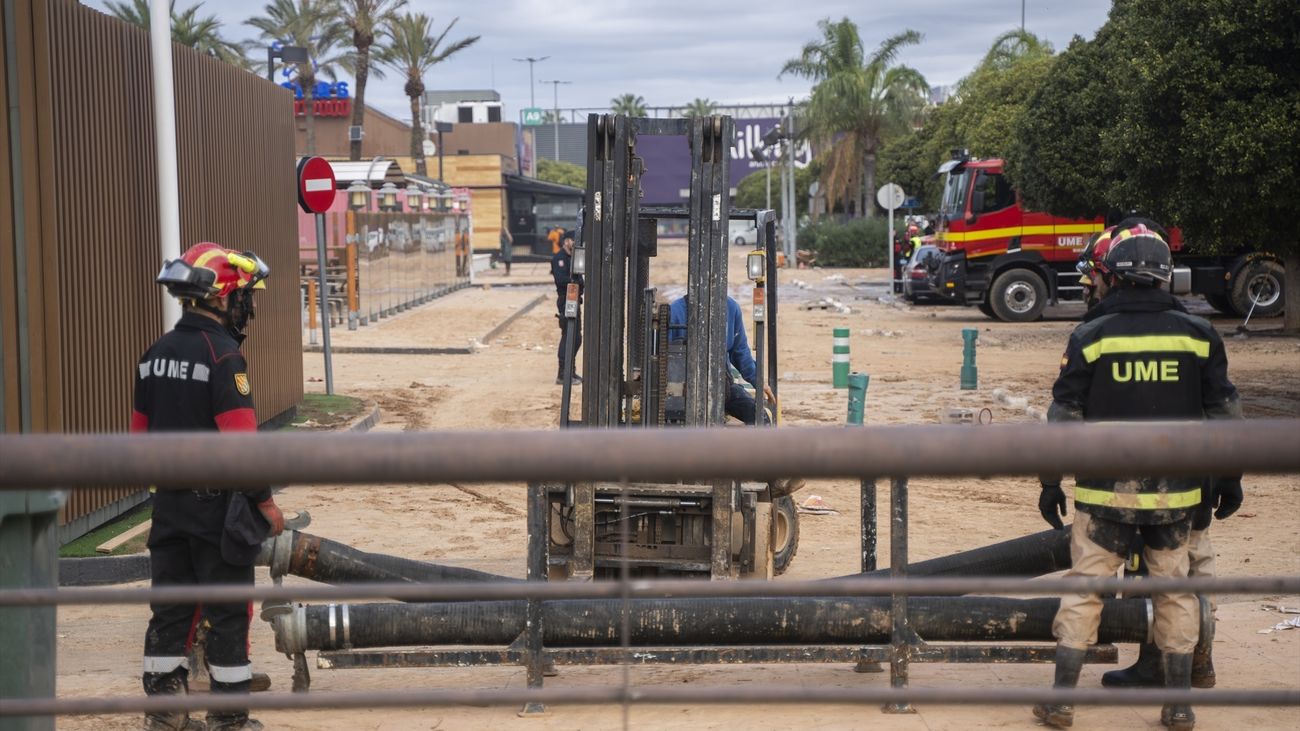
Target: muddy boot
<point x="1178" y="674"/>
<point x="173" y="683"/>
<point x="232" y="720"/>
<point x="1147" y="672"/>
<point x="1203" y="667"/>
<point x="1069" y="662"/>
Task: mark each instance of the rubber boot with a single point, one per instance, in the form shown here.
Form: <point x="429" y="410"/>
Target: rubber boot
<point x="1069" y="663"/>
<point x="1147" y="672"/>
<point x="173" y="683"/>
<point x="1178" y="674"/>
<point x="1203" y="667"/>
<point x="232" y="720"/>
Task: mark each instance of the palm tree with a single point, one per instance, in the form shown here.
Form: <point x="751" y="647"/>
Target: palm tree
<point x="1015" y="45"/>
<point x="314" y="25"/>
<point x="699" y="108"/>
<point x="629" y="104"/>
<point x="858" y="103"/>
<point x="365" y="18"/>
<point x="412" y="51"/>
<point x="188" y="29"/>
<point x="551" y="116"/>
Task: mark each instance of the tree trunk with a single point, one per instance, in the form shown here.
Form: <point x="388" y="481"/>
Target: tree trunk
<point x="417" y="137"/>
<point x="1291" y="282"/>
<point x="869" y="181"/>
<point x="308" y="87"/>
<point x="359" y="99"/>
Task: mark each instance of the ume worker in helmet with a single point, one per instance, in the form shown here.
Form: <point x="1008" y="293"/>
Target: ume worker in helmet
<point x="195" y="379"/>
<point x="1136" y="357"/>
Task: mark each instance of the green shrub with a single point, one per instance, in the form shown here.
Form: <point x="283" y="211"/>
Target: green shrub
<point x="858" y="242"/>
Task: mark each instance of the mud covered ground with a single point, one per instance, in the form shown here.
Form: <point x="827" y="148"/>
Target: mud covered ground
<point x="913" y="355"/>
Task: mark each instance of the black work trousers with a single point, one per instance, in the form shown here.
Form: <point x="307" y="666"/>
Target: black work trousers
<point x="577" y="339"/>
<point x="179" y="559"/>
<point x="740" y="405"/>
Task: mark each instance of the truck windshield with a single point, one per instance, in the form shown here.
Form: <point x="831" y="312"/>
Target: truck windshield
<point x="954" y="195"/>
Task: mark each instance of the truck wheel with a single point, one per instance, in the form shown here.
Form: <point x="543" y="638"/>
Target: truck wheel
<point x="1260" y="283"/>
<point x="1221" y="303"/>
<point x="785" y="534"/>
<point x="987" y="309"/>
<point x="1018" y="295"/>
<point x="740" y="241"/>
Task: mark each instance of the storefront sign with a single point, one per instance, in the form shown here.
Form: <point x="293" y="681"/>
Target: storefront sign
<point x="328" y="100"/>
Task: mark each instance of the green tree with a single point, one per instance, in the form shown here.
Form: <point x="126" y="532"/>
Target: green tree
<point x="314" y="25"/>
<point x="986" y="103"/>
<point x="413" y="50"/>
<point x="628" y="104"/>
<point x="365" y="19"/>
<point x="551" y="116"/>
<point x="858" y="103"/>
<point x="188" y="29"/>
<point x="1190" y="113"/>
<point x="751" y="191"/>
<point x="564" y="173"/>
<point x="700" y="108"/>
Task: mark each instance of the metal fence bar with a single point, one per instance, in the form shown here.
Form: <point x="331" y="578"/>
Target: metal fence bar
<point x="602" y="695"/>
<point x="1210" y="448"/>
<point x="641" y="588"/>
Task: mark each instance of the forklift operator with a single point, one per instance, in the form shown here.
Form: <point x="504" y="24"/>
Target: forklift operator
<point x="740" y="404"/>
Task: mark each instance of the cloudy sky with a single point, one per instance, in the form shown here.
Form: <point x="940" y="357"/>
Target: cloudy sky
<point x="672" y="51"/>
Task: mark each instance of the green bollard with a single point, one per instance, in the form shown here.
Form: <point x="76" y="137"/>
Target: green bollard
<point x="857" y="397"/>
<point x="969" y="373"/>
<point x="840" y="358"/>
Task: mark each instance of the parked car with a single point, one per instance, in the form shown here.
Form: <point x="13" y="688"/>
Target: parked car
<point x="743" y="233"/>
<point x="917" y="275"/>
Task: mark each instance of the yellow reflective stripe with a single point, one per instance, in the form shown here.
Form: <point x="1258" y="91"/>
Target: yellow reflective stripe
<point x="1138" y="500"/>
<point x="1008" y="232"/>
<point x="1146" y="344"/>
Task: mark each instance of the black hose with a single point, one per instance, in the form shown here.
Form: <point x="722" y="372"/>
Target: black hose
<point x="331" y="562"/>
<point x="715" y="621"/>
<point x="1032" y="555"/>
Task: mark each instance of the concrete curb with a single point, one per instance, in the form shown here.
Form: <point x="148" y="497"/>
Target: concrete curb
<point x="487" y="339"/>
<point x="469" y="350"/>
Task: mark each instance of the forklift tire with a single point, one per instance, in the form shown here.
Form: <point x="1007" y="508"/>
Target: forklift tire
<point x="785" y="534"/>
<point x="1222" y="304"/>
<point x="1259" y="280"/>
<point x="987" y="309"/>
<point x="1018" y="295"/>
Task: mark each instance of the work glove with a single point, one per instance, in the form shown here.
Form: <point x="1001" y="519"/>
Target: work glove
<point x="1050" y="501"/>
<point x="1227" y="496"/>
<point x="271" y="512"/>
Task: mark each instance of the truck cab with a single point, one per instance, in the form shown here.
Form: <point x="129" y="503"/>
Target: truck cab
<point x="1009" y="261"/>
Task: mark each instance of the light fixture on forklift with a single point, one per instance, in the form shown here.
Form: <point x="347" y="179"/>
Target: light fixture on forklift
<point x="756" y="264"/>
<point x="579" y="260"/>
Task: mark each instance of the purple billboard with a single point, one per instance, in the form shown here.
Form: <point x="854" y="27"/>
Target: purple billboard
<point x="667" y="177"/>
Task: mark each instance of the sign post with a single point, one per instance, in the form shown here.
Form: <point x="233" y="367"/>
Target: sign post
<point x="891" y="196"/>
<point x="316" y="191"/>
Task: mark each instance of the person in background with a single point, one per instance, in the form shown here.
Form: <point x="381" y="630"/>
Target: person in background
<point x="555" y="235"/>
<point x="507" y="246"/>
<point x="562" y="273"/>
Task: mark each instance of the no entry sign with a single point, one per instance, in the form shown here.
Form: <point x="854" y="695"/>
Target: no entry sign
<point x="315" y="184"/>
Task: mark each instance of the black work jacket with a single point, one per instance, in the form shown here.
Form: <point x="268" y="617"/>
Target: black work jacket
<point x="1139" y="356"/>
<point x="194" y="379"/>
<point x="562" y="273"/>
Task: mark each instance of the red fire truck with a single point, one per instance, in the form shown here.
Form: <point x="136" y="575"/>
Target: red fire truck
<point x="1012" y="262"/>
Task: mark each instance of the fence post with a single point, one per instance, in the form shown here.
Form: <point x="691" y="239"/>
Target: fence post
<point x="900" y="635"/>
<point x="311" y="311"/>
<point x="538" y="538"/>
<point x="867" y="497"/>
<point x="29" y="560"/>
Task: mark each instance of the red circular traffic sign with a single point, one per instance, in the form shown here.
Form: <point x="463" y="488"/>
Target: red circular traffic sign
<point x="315" y="184"/>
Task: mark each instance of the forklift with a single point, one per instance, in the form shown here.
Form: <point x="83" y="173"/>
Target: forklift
<point x="636" y="376"/>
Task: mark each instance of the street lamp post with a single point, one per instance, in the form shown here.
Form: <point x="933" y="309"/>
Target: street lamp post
<point x="532" y="96"/>
<point x="441" y="127"/>
<point x="555" y="120"/>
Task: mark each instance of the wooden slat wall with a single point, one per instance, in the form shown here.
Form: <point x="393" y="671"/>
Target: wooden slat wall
<point x="91" y="238"/>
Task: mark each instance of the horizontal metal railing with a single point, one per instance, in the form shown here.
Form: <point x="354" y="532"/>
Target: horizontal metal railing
<point x="58" y="461"/>
<point x="187" y="460"/>
<point x="647" y="588"/>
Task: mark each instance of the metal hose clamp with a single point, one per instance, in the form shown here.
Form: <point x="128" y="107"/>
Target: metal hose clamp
<point x="291" y="630"/>
<point x="329" y="612"/>
<point x="1151" y="621"/>
<point x="347" y="629"/>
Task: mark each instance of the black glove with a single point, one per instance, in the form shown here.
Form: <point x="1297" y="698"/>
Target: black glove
<point x="1227" y="496"/>
<point x="1050" y="501"/>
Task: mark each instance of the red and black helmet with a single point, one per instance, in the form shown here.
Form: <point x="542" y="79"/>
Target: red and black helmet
<point x="210" y="270"/>
<point x="1139" y="254"/>
<point x="1092" y="260"/>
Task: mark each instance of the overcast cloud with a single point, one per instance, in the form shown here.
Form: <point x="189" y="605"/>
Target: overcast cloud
<point x="672" y="51"/>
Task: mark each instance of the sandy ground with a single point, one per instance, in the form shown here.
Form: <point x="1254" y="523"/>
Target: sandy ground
<point x="913" y="355"/>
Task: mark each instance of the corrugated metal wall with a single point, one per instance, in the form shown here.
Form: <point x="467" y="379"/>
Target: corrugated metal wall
<point x="90" y="239"/>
